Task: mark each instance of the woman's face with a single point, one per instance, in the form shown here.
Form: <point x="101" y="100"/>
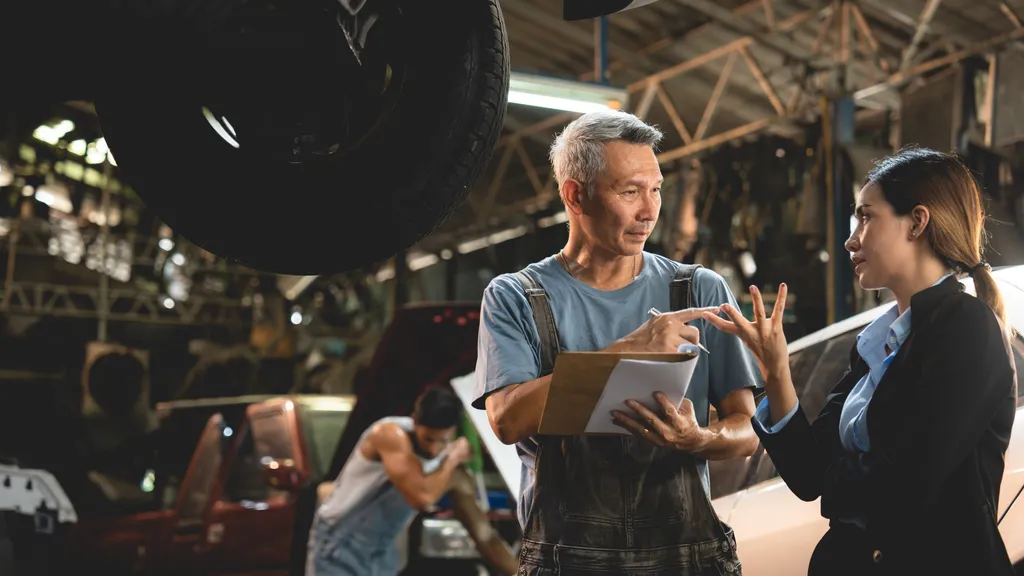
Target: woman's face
<point x="880" y="246"/>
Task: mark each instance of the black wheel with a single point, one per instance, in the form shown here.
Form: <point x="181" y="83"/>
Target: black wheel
<point x="267" y="137"/>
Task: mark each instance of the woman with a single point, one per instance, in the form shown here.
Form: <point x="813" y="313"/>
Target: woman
<point x="907" y="454"/>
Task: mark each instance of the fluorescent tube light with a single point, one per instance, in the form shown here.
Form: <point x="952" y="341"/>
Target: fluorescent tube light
<point x="560" y="94"/>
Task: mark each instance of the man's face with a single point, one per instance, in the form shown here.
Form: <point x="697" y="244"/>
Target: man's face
<point x="432" y="441"/>
<point x="626" y="200"/>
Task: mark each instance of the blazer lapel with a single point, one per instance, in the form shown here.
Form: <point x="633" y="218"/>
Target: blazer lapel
<point x="882" y="400"/>
<point x="887" y="400"/>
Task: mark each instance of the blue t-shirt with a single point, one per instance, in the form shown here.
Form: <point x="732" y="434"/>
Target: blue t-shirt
<point x="588" y="319"/>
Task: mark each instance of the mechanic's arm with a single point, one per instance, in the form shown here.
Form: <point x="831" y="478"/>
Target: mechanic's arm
<point x="733" y="375"/>
<point x="492" y="548"/>
<point x="508" y="365"/>
<point x="731" y="436"/>
<point x="514" y="411"/>
<point x="404" y="469"/>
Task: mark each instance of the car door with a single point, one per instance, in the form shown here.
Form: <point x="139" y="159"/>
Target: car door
<point x="187" y="545"/>
<point x="130" y="544"/>
<point x="251" y="522"/>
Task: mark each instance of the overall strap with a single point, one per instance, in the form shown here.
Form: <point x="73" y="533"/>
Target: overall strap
<point x="680" y="291"/>
<point x="545" y="320"/>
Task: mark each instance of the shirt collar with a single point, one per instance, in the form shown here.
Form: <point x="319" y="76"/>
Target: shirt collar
<point x="890" y="329"/>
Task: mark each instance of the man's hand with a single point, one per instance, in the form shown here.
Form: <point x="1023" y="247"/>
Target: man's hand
<point x="675" y="428"/>
<point x="664" y="333"/>
<point x="460" y="451"/>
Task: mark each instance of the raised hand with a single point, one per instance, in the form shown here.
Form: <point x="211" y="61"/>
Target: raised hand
<point x="460" y="450"/>
<point x="763" y="335"/>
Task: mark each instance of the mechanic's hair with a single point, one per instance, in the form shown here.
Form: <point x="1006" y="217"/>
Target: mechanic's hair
<point x="578" y="152"/>
<point x="438" y="408"/>
<point x="956" y="229"/>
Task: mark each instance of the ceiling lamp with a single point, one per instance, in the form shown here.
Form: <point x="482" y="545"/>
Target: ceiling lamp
<point x="95" y="154"/>
<point x="52" y="134"/>
<point x="560" y="94"/>
<point x="55" y="195"/>
<point x="78" y="147"/>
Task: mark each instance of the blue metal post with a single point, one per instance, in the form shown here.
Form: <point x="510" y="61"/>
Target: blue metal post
<point x="601" y="50"/>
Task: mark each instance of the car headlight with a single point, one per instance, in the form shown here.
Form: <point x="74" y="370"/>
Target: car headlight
<point x="446" y="539"/>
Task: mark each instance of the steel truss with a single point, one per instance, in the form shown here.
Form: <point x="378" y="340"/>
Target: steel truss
<point x="842" y="19"/>
<point x="40" y="299"/>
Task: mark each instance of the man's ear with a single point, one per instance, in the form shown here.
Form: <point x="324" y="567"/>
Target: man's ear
<point x="572" y="195"/>
<point x="919" y="217"/>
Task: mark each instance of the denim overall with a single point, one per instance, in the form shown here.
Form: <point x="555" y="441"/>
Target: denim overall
<point x="362" y="541"/>
<point x="618" y="504"/>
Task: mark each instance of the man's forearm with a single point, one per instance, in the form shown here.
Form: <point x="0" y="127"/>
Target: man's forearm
<point x="730" y="437"/>
<point x="435" y="485"/>
<point x="515" y="412"/>
<point x="489" y="543"/>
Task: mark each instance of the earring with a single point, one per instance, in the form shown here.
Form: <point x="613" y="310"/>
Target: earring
<point x="913" y="233"/>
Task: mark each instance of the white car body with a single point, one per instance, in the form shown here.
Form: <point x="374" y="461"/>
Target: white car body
<point x="776" y="532"/>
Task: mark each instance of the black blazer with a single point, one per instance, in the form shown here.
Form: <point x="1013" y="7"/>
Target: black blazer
<point x="939" y="424"/>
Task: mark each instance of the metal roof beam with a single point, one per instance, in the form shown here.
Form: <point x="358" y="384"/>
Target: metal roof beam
<point x="770" y="39"/>
<point x="901" y="77"/>
<point x="711" y="55"/>
<point x="662" y="44"/>
<point x="927" y="14"/>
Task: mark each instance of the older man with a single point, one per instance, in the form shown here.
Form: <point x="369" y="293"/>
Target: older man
<point x="629" y="504"/>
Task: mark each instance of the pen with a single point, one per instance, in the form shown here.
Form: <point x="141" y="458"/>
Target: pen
<point x="653" y="312"/>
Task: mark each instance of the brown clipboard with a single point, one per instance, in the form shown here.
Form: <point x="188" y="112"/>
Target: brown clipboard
<point x="577" y="383"/>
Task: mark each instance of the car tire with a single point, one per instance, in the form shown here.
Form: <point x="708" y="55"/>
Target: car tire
<point x="334" y="211"/>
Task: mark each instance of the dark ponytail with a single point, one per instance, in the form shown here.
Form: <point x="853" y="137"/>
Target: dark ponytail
<point x="956" y="232"/>
<point x="988" y="292"/>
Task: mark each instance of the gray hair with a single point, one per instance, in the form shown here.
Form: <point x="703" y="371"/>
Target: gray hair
<point x="578" y="152"/>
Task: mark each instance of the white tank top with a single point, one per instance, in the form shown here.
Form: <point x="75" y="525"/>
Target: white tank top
<point x="361" y="477"/>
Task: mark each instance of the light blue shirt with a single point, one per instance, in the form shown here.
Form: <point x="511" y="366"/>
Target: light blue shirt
<point x="890" y="329"/>
<point x="588" y="319"/>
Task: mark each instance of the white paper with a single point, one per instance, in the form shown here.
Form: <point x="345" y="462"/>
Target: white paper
<point x="639" y="380"/>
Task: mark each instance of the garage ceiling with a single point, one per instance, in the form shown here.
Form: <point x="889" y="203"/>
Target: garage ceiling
<point x="779" y="57"/>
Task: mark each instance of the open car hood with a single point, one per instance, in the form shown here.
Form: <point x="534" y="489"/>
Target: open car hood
<point x="505" y="457"/>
